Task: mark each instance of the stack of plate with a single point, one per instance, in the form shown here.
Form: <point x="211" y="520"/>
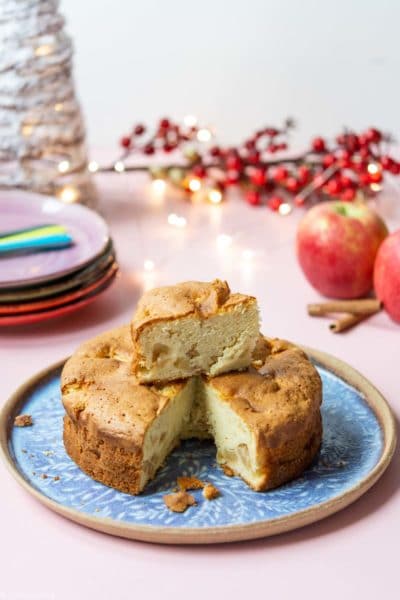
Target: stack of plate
<point x="42" y="285"/>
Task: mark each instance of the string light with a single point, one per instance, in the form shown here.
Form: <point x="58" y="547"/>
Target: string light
<point x="58" y="106"/>
<point x="176" y="221"/>
<point x="119" y="166"/>
<point x="190" y="121"/>
<point x="375" y="187"/>
<point x="63" y="166"/>
<point x="93" y="166"/>
<point x="373" y="168"/>
<point x="27" y="130"/>
<point x="223" y="240"/>
<point x="158" y="185"/>
<point x="285" y="209"/>
<point x="68" y="194"/>
<point x="148" y="265"/>
<point x="204" y="135"/>
<point x="215" y="196"/>
<point x="194" y="185"/>
<point x="44" y="50"/>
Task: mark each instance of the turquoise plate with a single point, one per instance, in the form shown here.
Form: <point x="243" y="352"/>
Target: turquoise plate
<point x="358" y="442"/>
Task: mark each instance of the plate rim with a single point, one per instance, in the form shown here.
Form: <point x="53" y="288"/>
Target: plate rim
<point x="226" y="533"/>
<point x="57" y="274"/>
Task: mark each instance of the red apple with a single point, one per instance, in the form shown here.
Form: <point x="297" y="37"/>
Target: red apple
<point x="336" y="246"/>
<point x="387" y="275"/>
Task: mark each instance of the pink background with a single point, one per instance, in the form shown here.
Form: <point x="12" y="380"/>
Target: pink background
<point x="353" y="554"/>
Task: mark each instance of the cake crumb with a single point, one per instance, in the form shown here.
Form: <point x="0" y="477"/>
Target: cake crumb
<point x="56" y="478"/>
<point x="43" y="476"/>
<point x="228" y="471"/>
<point x="179" y="501"/>
<point x="210" y="492"/>
<point x="23" y="421"/>
<point x="189" y="483"/>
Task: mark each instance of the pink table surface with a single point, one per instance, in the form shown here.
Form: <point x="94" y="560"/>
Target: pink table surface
<point x="353" y="554"/>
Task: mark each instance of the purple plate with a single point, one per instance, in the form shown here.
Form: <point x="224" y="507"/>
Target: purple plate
<point x="22" y="209"/>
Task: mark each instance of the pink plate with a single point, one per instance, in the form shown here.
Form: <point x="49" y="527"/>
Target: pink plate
<point x="22" y="209"/>
<point x="45" y="315"/>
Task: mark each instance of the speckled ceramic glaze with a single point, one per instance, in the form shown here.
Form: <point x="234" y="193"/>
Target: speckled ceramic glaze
<point x="352" y="446"/>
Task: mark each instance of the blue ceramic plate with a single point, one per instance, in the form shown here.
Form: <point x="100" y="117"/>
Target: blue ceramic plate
<point x="358" y="442"/>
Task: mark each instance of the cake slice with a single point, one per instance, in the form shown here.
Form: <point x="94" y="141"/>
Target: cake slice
<point x="193" y="328"/>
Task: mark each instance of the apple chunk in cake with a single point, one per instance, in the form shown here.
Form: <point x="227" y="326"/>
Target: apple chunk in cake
<point x="193" y="328"/>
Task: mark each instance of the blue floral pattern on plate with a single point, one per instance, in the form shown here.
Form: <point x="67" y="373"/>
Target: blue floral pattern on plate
<point x="352" y="446"/>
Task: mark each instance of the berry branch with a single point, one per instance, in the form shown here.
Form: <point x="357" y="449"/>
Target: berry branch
<point x="350" y="167"/>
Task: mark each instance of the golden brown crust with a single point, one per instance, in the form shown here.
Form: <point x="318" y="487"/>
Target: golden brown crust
<point x="210" y="492"/>
<point x="280" y="399"/>
<point x="179" y="501"/>
<point x="188" y="298"/>
<point x="100" y="393"/>
<point x="23" y="421"/>
<point x="189" y="483"/>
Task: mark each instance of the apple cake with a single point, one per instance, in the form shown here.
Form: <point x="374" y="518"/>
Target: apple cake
<point x="265" y="421"/>
<point x="193" y="328"/>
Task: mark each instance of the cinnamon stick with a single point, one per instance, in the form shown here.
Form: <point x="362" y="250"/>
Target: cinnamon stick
<point x="367" y="306"/>
<point x="346" y="322"/>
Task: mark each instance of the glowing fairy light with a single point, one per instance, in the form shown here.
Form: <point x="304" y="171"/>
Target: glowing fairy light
<point x="58" y="106"/>
<point x="375" y="187"/>
<point x="194" y="184"/>
<point x="223" y="240"/>
<point x="176" y="220"/>
<point x="63" y="166"/>
<point x="93" y="166"/>
<point x="27" y="130"/>
<point x="68" y="194"/>
<point x="148" y="265"/>
<point x="43" y="50"/>
<point x="204" y="135"/>
<point x="158" y="185"/>
<point x="285" y="209"/>
<point x="215" y="196"/>
<point x="373" y="168"/>
<point x="119" y="166"/>
<point x="190" y="121"/>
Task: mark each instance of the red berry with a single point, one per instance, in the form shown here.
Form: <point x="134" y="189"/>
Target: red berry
<point x="303" y="174"/>
<point x="318" y="181"/>
<point x="272" y="148"/>
<point x="364" y="152"/>
<point x="292" y="184"/>
<point x="344" y="157"/>
<point x="232" y="177"/>
<point x="395" y="168"/>
<point x="250" y="145"/>
<point x="352" y="143"/>
<point x="373" y="135"/>
<point x="258" y="177"/>
<point x="386" y="162"/>
<point x="271" y="131"/>
<point x="199" y="171"/>
<point x="253" y="197"/>
<point x="253" y="157"/>
<point x="348" y="195"/>
<point x="346" y="181"/>
<point x="318" y="144"/>
<point x="299" y="201"/>
<point x="274" y="202"/>
<point x="169" y="147"/>
<point x="360" y="166"/>
<point x="334" y="187"/>
<point x="125" y="141"/>
<point x="376" y="177"/>
<point x="148" y="149"/>
<point x="139" y="129"/>
<point x="280" y="147"/>
<point x="364" y="179"/>
<point x="280" y="174"/>
<point x="164" y="123"/>
<point x="363" y="140"/>
<point x="233" y="161"/>
<point x="328" y="160"/>
<point x="215" y="151"/>
<point x="341" y="139"/>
